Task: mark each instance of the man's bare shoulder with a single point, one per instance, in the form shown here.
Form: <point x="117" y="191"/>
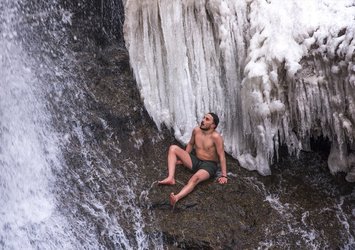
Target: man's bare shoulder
<point x="217" y="136"/>
<point x="196" y="130"/>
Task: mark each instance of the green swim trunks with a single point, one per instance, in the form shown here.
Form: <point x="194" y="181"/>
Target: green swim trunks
<point x="197" y="164"/>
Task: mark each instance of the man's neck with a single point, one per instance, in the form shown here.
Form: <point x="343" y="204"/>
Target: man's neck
<point x="207" y="132"/>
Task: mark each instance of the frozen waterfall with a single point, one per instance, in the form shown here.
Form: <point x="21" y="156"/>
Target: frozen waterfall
<point x="277" y="72"/>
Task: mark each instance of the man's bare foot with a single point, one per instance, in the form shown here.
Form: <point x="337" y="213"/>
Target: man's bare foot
<point x="167" y="181"/>
<point x="173" y="199"/>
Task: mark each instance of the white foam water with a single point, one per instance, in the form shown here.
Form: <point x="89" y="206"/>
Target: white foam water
<point x="28" y="150"/>
<point x="42" y="108"/>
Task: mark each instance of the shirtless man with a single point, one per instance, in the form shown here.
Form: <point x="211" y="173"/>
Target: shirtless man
<point x="209" y="150"/>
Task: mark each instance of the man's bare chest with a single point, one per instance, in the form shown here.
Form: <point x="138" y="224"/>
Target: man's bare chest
<point x="204" y="142"/>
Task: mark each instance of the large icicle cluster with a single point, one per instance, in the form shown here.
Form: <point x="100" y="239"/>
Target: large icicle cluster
<point x="299" y="79"/>
<point x="187" y="61"/>
<point x="275" y="71"/>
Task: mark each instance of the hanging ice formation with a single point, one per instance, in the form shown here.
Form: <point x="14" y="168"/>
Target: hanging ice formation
<point x="277" y="72"/>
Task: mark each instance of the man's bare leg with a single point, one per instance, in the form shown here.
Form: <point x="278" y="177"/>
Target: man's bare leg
<point x="175" y="153"/>
<point x="199" y="176"/>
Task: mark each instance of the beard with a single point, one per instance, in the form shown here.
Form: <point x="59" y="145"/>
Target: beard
<point x="203" y="128"/>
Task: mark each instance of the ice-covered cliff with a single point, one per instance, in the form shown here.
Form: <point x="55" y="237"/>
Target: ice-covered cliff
<point x="277" y="72"/>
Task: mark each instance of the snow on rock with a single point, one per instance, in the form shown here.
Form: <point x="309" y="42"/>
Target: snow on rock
<point x="277" y="72"/>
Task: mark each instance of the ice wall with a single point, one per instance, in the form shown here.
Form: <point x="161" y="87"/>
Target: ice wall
<point x="188" y="58"/>
<point x="277" y="72"/>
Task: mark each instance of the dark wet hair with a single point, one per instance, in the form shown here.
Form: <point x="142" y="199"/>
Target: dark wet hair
<point x="215" y="118"/>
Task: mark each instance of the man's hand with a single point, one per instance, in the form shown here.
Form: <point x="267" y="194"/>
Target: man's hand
<point x="222" y="180"/>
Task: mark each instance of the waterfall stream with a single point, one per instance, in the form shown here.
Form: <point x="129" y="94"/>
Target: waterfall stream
<point x="29" y="150"/>
<point x="62" y="186"/>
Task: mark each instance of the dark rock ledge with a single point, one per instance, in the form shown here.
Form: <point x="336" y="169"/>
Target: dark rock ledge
<point x="232" y="216"/>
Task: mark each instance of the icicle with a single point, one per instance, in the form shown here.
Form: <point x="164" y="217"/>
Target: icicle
<point x="277" y="72"/>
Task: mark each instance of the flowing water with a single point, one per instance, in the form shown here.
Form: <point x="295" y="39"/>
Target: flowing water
<point x="59" y="190"/>
<point x="28" y="146"/>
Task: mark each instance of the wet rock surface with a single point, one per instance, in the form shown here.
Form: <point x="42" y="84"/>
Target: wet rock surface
<point x="301" y="198"/>
<point x="213" y="216"/>
<point x="253" y="211"/>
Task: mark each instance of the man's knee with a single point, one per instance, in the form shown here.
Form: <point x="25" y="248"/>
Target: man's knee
<point x="173" y="149"/>
<point x="195" y="179"/>
<point x="201" y="175"/>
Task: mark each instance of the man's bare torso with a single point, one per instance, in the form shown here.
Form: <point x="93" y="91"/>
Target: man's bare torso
<point x="205" y="147"/>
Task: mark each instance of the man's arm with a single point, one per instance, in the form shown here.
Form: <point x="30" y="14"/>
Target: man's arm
<point x="191" y="143"/>
<point x="189" y="146"/>
<point x="222" y="158"/>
